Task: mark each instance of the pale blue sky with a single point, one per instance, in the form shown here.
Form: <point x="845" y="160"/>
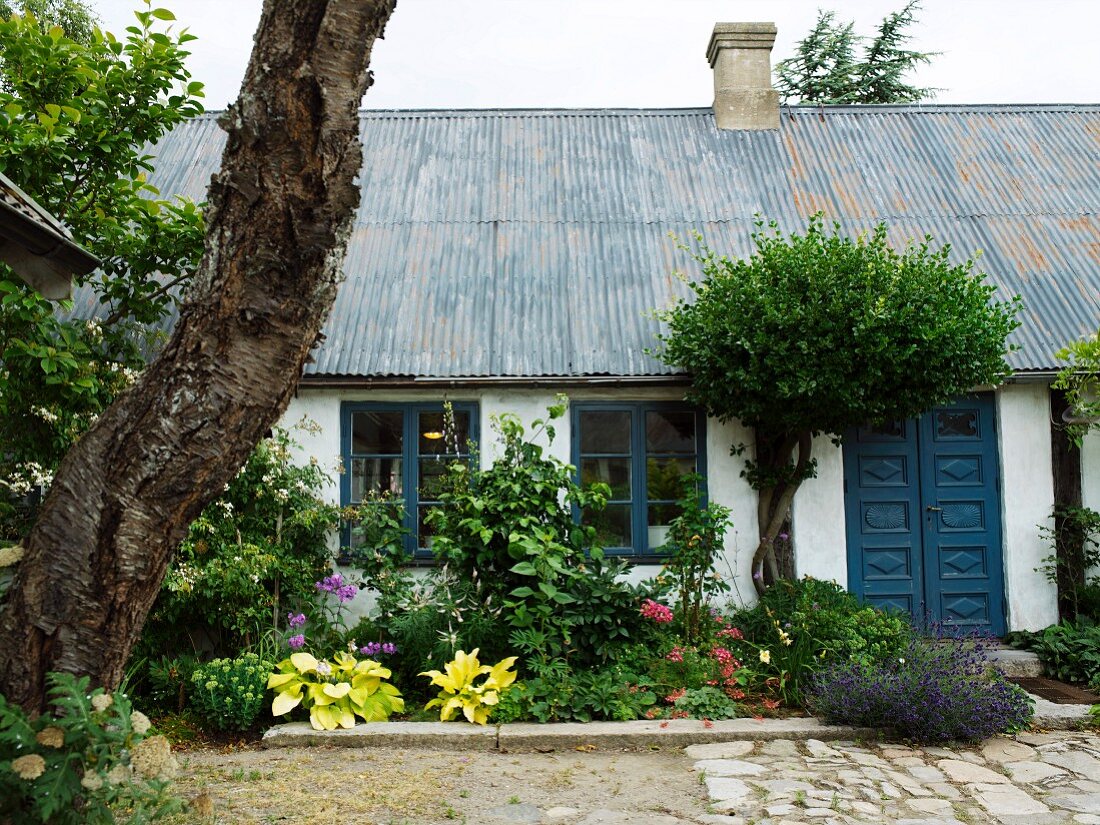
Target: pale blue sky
<point x="631" y="53"/>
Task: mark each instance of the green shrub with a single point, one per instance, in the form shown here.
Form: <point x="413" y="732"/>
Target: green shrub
<point x="694" y="543"/>
<point x="252" y="555"/>
<point x="706" y="703"/>
<point x="88" y="759"/>
<point x="1069" y="651"/>
<point x="227" y="694"/>
<point x="842" y="628"/>
<point x="561" y="694"/>
<point x="168" y="682"/>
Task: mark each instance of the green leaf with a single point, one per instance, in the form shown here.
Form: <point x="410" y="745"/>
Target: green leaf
<point x="524" y="568"/>
<point x="163" y="14"/>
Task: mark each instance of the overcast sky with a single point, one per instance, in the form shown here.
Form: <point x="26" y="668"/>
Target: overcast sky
<point x="639" y="53"/>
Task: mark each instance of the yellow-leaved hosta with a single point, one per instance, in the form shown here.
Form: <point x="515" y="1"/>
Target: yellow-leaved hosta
<point x="476" y="701"/>
<point x="335" y="691"/>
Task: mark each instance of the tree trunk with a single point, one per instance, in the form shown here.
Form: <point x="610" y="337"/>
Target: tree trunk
<point x="1069" y="545"/>
<point x="278" y="221"/>
<point x="773" y="457"/>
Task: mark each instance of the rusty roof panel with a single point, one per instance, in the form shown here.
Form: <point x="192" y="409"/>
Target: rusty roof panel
<point x="535" y="242"/>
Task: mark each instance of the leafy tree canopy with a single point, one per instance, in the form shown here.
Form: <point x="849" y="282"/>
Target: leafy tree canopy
<point x="826" y="69"/>
<point x="822" y="332"/>
<point x="76" y="120"/>
<point x="75" y="18"/>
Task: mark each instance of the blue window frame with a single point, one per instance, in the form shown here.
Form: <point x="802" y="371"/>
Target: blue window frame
<point x="402" y="450"/>
<point x="641" y="450"/>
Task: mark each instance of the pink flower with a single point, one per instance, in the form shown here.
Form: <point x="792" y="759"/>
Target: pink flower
<point x="296" y="642"/>
<point x="730" y="633"/>
<point x="676" y="654"/>
<point x="657" y="612"/>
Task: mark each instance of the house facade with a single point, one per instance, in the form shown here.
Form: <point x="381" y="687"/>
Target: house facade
<point x="500" y="257"/>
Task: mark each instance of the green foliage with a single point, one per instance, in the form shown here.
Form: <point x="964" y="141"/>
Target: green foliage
<point x="228" y="694"/>
<point x="87" y="760"/>
<point x="76" y="19"/>
<point x="509" y="530"/>
<point x="611" y="693"/>
<point x="1069" y="651"/>
<point x="168" y="682"/>
<point x="825" y="68"/>
<point x="253" y="554"/>
<point x="820" y="332"/>
<point x="1080" y="378"/>
<point x="842" y="629"/>
<point x="706" y="703"/>
<point x="1075" y="549"/>
<point x="75" y="121"/>
<point x="695" y="542"/>
<point x="334" y="691"/>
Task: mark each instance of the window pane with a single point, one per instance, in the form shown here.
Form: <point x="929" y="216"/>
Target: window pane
<point x="670" y="432"/>
<point x="433" y="471"/>
<point x="605" y="431"/>
<point x="661" y="515"/>
<point x="424" y="532"/>
<point x="437" y="437"/>
<point x="663" y="476"/>
<point x="612" y="525"/>
<point x="374" y="475"/>
<point x="376" y="432"/>
<point x="612" y="471"/>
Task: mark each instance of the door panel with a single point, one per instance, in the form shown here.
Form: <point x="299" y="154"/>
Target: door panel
<point x="923" y="513"/>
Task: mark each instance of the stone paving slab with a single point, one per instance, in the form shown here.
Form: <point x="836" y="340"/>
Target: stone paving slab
<point x="560" y="736"/>
<point x="1033" y="779"/>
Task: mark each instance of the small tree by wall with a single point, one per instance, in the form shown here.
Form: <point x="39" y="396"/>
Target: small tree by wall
<point x="819" y="333"/>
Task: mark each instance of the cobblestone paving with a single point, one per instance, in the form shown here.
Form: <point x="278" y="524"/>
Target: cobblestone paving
<point x="1033" y="779"/>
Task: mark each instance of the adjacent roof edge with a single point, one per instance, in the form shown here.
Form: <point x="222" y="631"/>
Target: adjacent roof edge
<point x="656" y="111"/>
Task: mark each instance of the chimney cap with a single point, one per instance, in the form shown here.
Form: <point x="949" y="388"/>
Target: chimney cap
<point x="739" y="36"/>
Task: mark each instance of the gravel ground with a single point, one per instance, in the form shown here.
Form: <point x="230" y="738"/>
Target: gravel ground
<point x="406" y="787"/>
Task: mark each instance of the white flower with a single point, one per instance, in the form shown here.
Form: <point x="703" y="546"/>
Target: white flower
<point x="30" y="766"/>
<point x="45" y="414"/>
<point x="92" y="781"/>
<point x="11" y="555"/>
<point x="102" y="701"/>
<point x="140" y="723"/>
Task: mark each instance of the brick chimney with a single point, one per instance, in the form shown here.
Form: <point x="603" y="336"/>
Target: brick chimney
<point x="740" y="55"/>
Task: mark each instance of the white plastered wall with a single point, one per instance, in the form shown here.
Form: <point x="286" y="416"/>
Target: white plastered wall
<point x="817" y="518"/>
<point x="1027" y="499"/>
<point x="818" y="512"/>
<point x="724" y="482"/>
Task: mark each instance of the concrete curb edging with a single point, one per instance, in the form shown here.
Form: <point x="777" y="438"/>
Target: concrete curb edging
<point x="559" y="736"/>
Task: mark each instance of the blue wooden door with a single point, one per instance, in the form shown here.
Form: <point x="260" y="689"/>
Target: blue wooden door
<point x="922" y="506"/>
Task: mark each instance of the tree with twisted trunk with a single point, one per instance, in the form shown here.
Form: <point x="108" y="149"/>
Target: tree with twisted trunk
<point x="821" y="333"/>
<point x="277" y="226"/>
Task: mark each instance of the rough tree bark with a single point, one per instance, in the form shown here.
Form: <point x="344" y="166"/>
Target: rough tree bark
<point x="278" y="221"/>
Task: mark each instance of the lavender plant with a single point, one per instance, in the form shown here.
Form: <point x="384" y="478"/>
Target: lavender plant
<point x="937" y="690"/>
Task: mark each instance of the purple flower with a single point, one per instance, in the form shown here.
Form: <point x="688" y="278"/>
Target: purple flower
<point x="784" y="536"/>
<point x="296" y="642"/>
<point x="389" y="648"/>
<point x="370" y="649"/>
<point x="335" y="584"/>
<point x="295" y="621"/>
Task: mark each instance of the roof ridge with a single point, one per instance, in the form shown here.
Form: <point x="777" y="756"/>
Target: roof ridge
<point x="671" y="111"/>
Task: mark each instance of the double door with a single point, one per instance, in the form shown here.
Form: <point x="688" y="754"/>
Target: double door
<point x="922" y="507"/>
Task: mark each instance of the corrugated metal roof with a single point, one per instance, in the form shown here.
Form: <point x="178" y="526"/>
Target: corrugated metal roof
<point x="536" y="242"/>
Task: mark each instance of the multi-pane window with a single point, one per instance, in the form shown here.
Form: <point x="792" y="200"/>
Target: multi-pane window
<point x="400" y="452"/>
<point x="641" y="451"/>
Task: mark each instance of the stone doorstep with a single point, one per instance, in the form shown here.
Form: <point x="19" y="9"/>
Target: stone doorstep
<point x="558" y="736"/>
<point x="1012" y="662"/>
<point x="1051" y="716"/>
